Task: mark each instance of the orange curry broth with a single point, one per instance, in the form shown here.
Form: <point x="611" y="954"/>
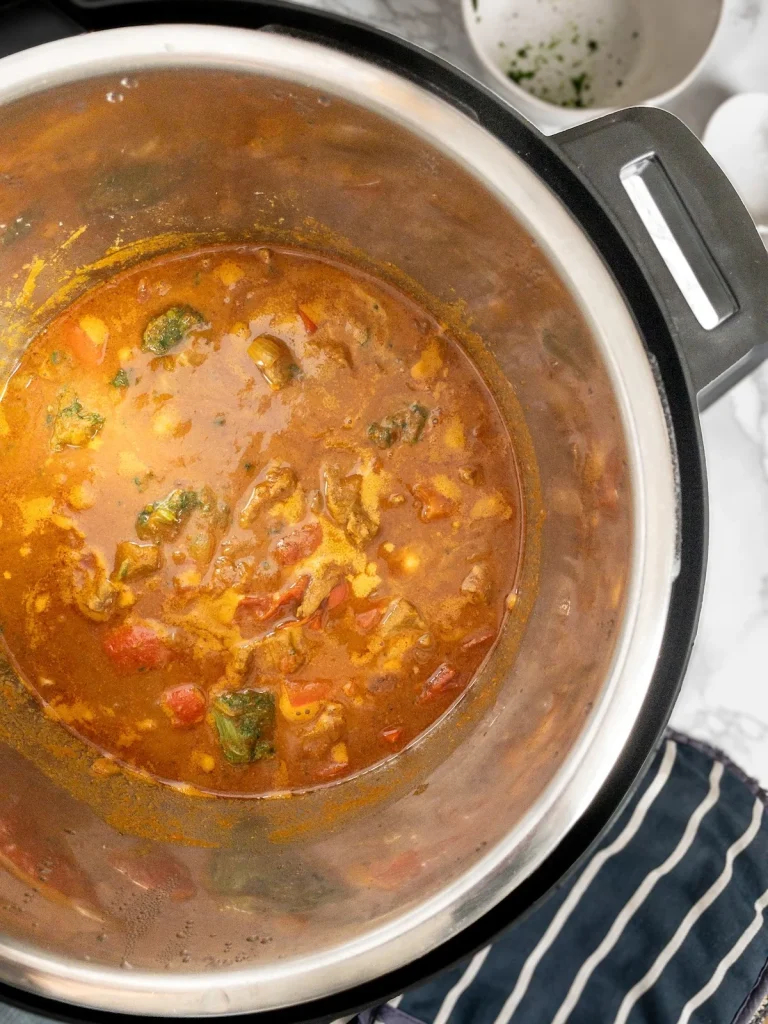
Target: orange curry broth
<point x="355" y="574"/>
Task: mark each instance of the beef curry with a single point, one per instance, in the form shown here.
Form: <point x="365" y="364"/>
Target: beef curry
<point x="261" y="519"/>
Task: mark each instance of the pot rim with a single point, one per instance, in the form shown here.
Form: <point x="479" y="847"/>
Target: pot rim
<point x="655" y="512"/>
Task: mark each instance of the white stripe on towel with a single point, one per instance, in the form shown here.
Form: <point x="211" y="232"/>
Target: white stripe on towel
<point x="727" y="962"/>
<point x="699" y="907"/>
<point x="570" y="903"/>
<point x="453" y="996"/>
<point x="641" y="894"/>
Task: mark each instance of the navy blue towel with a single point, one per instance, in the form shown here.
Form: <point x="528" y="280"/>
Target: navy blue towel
<point x="664" y="925"/>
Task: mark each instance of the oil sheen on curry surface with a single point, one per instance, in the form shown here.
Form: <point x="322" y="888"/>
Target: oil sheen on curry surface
<point x="261" y="518"/>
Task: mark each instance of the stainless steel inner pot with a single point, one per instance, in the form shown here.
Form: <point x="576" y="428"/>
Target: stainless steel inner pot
<point x="161" y="903"/>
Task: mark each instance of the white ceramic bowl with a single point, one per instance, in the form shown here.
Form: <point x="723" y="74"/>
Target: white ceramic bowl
<point x="561" y="62"/>
<point x="737" y="137"/>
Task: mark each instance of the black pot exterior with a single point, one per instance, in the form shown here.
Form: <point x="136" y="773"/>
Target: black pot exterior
<point x="30" y="24"/>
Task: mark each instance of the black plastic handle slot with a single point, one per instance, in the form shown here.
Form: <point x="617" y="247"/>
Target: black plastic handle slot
<point x="689" y="230"/>
<point x="678" y="240"/>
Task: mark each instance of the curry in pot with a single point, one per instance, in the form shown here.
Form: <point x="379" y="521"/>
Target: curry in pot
<point x="261" y="519"/>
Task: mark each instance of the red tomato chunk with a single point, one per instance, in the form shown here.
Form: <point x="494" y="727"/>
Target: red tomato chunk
<point x="256" y="606"/>
<point x="85" y="350"/>
<point x="300" y="693"/>
<point x="365" y="621"/>
<point x="443" y="680"/>
<point x="293" y="594"/>
<point x="136" y="649"/>
<point x="185" y="705"/>
<point x="479" y="639"/>
<point x="338" y="595"/>
<point x="309" y="324"/>
<point x="298" y="544"/>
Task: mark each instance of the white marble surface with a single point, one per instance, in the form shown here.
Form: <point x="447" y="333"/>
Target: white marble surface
<point x="725" y="694"/>
<point x="725" y="697"/>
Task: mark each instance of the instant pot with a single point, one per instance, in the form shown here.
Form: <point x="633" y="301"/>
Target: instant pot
<point x="150" y="126"/>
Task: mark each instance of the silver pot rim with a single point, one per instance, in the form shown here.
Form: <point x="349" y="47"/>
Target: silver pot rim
<point x="655" y="510"/>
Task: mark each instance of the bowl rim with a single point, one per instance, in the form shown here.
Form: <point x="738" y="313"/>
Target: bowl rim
<point x="552" y="114"/>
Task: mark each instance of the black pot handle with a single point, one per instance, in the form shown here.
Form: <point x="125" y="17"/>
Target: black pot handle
<point x="699" y="248"/>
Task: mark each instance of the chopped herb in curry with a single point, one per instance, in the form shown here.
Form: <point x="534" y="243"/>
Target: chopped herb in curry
<point x="163" y="519"/>
<point x="407" y="426"/>
<point x="245" y="721"/>
<point x="73" y="425"/>
<point x="167" y="330"/>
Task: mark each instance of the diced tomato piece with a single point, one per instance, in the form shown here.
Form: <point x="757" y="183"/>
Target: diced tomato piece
<point x="185" y="704"/>
<point x="136" y="649"/>
<point x="482" y="636"/>
<point x="293" y="594"/>
<point x="443" y="680"/>
<point x="366" y="621"/>
<point x="156" y="872"/>
<point x="309" y="324"/>
<point x="257" y="606"/>
<point x="307" y="692"/>
<point x="298" y="544"/>
<point x="315" y="622"/>
<point x="83" y="348"/>
<point x="261" y="607"/>
<point x="393" y="735"/>
<point x="338" y="595"/>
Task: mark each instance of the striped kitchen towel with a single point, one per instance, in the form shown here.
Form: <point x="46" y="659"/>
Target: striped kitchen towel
<point x="664" y="925"/>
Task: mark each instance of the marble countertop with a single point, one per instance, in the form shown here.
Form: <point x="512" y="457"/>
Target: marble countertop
<point x="725" y="695"/>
